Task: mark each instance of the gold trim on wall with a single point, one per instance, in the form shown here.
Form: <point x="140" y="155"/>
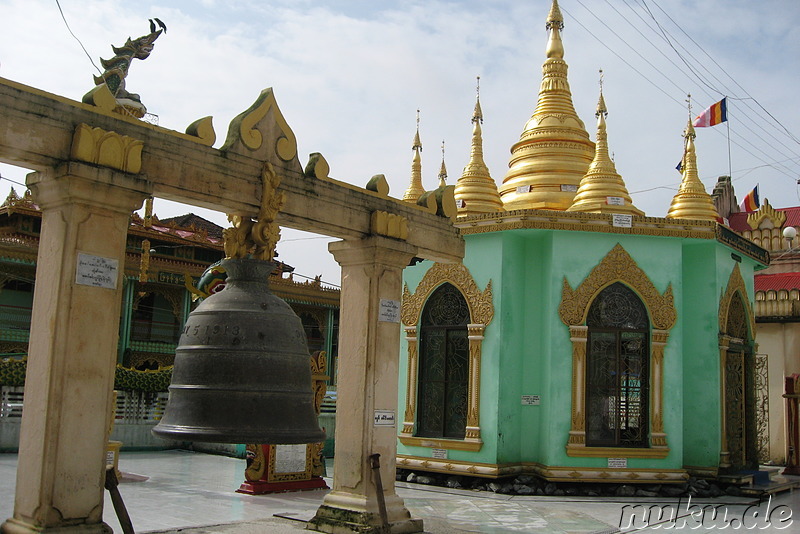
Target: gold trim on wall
<point x="617" y="266"/>
<point x="735" y="284"/>
<point x="481" y="311"/>
<point x="548" y="472"/>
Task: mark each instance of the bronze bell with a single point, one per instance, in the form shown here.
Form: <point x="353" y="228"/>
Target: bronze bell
<point x="242" y="371"/>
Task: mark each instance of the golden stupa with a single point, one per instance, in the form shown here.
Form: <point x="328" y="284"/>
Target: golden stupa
<point x="554" y="150"/>
<point x="476" y="191"/>
<point x="415" y="189"/>
<point x="692" y="200"/>
<point x="602" y="189"/>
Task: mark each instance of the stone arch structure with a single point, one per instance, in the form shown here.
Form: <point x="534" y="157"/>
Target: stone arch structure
<point x="737" y="374"/>
<point x="617" y="266"/>
<point x="481" y="312"/>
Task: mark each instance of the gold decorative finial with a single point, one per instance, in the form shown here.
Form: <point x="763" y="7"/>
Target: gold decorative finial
<point x="554" y="150"/>
<point x="476" y="191"/>
<point x="257" y="239"/>
<point x="602" y="189"/>
<point x="443" y="170"/>
<point x="692" y="200"/>
<point x="415" y="189"/>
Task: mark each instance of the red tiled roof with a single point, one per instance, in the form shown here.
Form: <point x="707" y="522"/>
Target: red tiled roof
<point x="777" y="281"/>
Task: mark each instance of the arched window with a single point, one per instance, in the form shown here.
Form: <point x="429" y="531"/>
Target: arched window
<point x="617" y="370"/>
<point x="443" y="365"/>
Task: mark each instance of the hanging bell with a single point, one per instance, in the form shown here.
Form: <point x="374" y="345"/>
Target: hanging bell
<point x="242" y="372"/>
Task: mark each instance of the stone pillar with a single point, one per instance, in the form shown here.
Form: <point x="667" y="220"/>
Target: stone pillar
<point x="368" y="374"/>
<point x="73" y="347"/>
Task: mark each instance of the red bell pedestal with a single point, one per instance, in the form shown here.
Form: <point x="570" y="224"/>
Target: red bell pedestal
<point x="281" y="468"/>
<point x="792" y="397"/>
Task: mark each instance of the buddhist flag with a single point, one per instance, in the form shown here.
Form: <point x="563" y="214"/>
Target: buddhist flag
<point x="714" y="115"/>
<point x="751" y="201"/>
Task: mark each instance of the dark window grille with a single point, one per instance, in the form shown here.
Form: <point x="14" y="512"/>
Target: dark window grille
<point x="443" y="365"/>
<point x="618" y="371"/>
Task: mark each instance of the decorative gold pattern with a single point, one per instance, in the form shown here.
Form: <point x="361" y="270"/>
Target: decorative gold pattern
<point x="616" y="266"/>
<point x="389" y="225"/>
<point x="415" y="189"/>
<point x="109" y="149"/>
<point x="203" y="130"/>
<point x="244" y="128"/>
<point x="257" y="239"/>
<point x="766" y="213"/>
<point x="481" y="313"/>
<point x="736" y="284"/>
<point x="548" y="472"/>
<point x="317" y="167"/>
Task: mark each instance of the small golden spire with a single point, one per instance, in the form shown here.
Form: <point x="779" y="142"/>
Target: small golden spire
<point x="415" y="189"/>
<point x="692" y="200"/>
<point x="602" y="189"/>
<point x="476" y="191"/>
<point x="443" y="170"/>
<point x="554" y="150"/>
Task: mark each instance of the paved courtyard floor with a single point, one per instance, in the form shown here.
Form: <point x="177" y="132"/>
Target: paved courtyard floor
<point x="188" y="492"/>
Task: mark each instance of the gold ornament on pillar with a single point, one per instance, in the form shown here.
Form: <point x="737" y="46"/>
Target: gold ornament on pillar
<point x="257" y="239"/>
<point x="144" y="262"/>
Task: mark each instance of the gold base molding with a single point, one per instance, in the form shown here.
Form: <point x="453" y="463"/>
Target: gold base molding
<point x="702" y="472"/>
<point x="616" y="452"/>
<point x="549" y="473"/>
<point x="472" y="445"/>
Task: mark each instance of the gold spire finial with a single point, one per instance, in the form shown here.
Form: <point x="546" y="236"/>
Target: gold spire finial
<point x="415" y="189"/>
<point x="443" y="170"/>
<point x="554" y="150"/>
<point x="692" y="200"/>
<point x="602" y="189"/>
<point x="476" y="191"/>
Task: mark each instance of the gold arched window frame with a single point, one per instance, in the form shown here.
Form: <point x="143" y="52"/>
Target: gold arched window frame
<point x="617" y="266"/>
<point x="735" y="286"/>
<point x="481" y="312"/>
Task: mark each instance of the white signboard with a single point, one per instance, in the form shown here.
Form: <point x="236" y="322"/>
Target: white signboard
<point x="461" y="203"/>
<point x="390" y="311"/>
<point x="615" y="201"/>
<point x="439" y="454"/>
<point x="531" y="400"/>
<point x="618" y="463"/>
<point x="621" y="221"/>
<point x="569" y="188"/>
<point x="290" y="458"/>
<point x="96" y="271"/>
<point x="384" y="417"/>
<point x="523" y="189"/>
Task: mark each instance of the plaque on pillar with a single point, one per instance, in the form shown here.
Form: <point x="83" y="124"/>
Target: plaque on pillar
<point x="282" y="468"/>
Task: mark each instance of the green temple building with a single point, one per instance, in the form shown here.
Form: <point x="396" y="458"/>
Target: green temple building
<point x="580" y="340"/>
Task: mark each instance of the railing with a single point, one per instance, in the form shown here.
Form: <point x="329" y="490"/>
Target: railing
<point x="329" y="401"/>
<point x="133" y="407"/>
<point x="15" y="317"/>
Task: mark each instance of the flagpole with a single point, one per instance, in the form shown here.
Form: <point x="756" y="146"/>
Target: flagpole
<point x="728" y="124"/>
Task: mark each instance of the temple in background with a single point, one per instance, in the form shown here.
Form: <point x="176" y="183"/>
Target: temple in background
<point x="580" y="339"/>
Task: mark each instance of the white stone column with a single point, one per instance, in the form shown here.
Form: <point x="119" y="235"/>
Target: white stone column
<point x="73" y="348"/>
<point x="368" y="374"/>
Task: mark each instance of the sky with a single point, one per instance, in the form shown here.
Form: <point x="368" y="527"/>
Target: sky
<point x="350" y="75"/>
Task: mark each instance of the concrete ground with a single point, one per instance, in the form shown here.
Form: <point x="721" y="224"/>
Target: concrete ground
<point x="187" y="492"/>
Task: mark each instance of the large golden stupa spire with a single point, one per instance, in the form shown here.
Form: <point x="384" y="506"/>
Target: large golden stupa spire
<point x="692" y="200"/>
<point x="476" y="191"/>
<point x="415" y="189"/>
<point x="554" y="150"/>
<point x="602" y="189"/>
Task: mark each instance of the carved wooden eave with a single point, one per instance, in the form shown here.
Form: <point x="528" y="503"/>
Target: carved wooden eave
<point x="766" y="216"/>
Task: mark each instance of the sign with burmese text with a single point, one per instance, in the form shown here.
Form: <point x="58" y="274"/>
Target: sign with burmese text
<point x="390" y="311"/>
<point x="384" y="418"/>
<point x="96" y="271"/>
